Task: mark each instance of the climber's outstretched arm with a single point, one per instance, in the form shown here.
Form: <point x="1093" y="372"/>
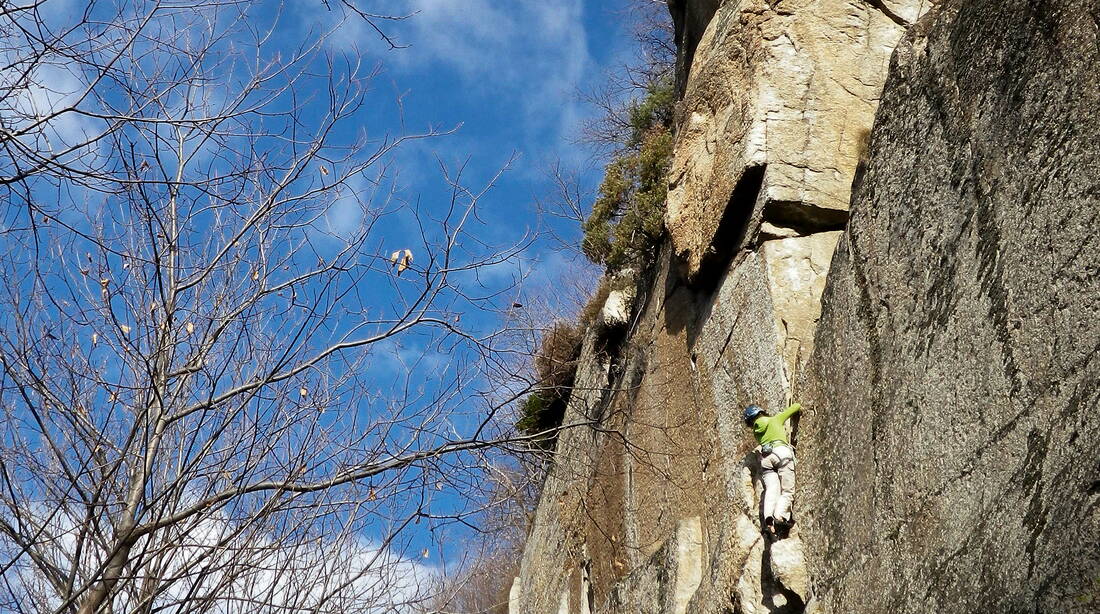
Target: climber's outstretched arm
<point x="784" y="415"/>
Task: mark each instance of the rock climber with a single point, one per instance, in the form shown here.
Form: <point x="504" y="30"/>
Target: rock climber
<point x="777" y="464"/>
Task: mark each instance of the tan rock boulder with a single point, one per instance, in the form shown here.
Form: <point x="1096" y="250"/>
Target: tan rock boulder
<point x="797" y="267"/>
<point x="791" y="87"/>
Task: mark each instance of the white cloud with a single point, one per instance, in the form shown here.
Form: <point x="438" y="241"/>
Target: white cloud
<point x="49" y="88"/>
<point x="344" y="217"/>
<point x="531" y="56"/>
<point x="535" y="52"/>
<point x="218" y="564"/>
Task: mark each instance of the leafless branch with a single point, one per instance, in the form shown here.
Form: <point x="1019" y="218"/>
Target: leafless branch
<point x="225" y="384"/>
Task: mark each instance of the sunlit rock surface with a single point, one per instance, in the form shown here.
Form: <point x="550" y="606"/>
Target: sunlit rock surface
<point x="657" y="509"/>
<point x="790" y="87"/>
<point x="945" y="346"/>
<point x="953" y="460"/>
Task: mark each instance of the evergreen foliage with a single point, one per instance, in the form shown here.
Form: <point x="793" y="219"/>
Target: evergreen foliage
<point x="627" y="219"/>
<point x="556" y="367"/>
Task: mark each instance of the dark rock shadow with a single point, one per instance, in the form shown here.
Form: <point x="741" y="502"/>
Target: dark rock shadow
<point x="688" y="300"/>
<point x="731" y="232"/>
<point x="770" y="587"/>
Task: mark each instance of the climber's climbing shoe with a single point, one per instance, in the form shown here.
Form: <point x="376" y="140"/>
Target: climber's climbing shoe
<point x="782" y="530"/>
<point x="769" y="529"/>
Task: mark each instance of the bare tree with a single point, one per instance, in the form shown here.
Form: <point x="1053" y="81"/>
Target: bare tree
<point x="563" y="210"/>
<point x="480" y="582"/>
<point x="236" y="367"/>
<point x="652" y="31"/>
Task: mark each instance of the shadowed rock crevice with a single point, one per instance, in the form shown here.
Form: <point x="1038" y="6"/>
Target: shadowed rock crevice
<point x="789" y="602"/>
<point x="881" y="6"/>
<point x="731" y="231"/>
<point x="690" y="19"/>
<point x="801" y="219"/>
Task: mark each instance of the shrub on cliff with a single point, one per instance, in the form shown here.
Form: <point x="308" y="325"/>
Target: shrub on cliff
<point x="627" y="219"/>
<point x="592" y="307"/>
<point x="626" y="223"/>
<point x="539" y="414"/>
<point x="556" y="367"/>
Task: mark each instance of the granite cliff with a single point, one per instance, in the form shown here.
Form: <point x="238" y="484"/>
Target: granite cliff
<point x="943" y="336"/>
<point x="956" y="366"/>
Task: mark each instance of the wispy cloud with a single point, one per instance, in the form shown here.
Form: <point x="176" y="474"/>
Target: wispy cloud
<point x="47" y="90"/>
<point x="243" y="569"/>
<point x="526" y="57"/>
<point x="534" y="53"/>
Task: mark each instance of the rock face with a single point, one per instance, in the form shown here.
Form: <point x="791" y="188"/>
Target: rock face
<point x="657" y="510"/>
<point x="953" y="460"/>
<point x="690" y="18"/>
<point x="785" y="91"/>
<point x="945" y="344"/>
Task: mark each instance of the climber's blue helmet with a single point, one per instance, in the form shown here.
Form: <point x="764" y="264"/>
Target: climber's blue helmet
<point x="751" y="413"/>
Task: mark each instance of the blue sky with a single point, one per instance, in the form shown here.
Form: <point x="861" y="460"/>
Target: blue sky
<point x="504" y="74"/>
<point x="507" y="75"/>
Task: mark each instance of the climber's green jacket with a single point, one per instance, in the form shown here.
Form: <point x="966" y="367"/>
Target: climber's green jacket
<point x="769" y="429"/>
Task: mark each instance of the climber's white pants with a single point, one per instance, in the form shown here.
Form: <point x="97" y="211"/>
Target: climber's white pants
<point x="778" y="478"/>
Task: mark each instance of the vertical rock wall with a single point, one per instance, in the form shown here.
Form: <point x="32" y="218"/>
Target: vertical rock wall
<point x="953" y="460"/>
<point x="656" y="509"/>
<point x="790" y="87"/>
<point x="950" y="460"/>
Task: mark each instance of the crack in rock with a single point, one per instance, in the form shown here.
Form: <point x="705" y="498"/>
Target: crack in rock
<point x="885" y="10"/>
